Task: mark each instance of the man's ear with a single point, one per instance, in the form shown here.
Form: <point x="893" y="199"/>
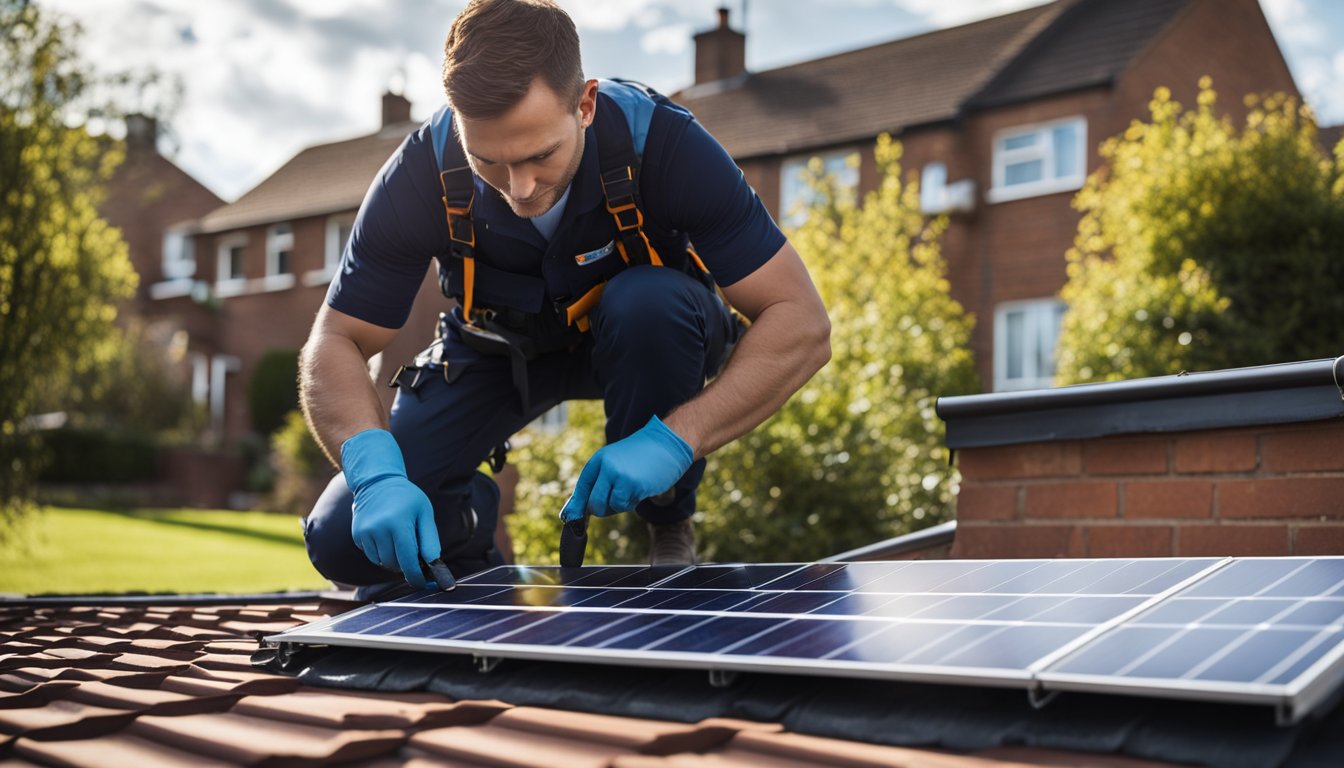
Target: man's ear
<point x="588" y="103"/>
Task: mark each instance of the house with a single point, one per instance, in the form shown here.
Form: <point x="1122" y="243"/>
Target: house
<point x="1000" y="120"/>
<point x="267" y="258"/>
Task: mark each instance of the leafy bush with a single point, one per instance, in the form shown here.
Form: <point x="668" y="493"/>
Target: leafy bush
<point x="301" y="469"/>
<point x="857" y="455"/>
<point x="75" y="455"/>
<point x="274" y="389"/>
<point x="1203" y="246"/>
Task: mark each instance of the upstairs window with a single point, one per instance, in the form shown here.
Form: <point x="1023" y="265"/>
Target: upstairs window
<point x="1039" y="159"/>
<point x="1025" y="336"/>
<point x="230" y="276"/>
<point x="279" y="258"/>
<point x="280" y="250"/>
<point x="339" y="228"/>
<point x="179" y="255"/>
<point x="796" y="194"/>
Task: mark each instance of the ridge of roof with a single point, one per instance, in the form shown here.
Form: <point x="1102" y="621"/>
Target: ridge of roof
<point x="849" y="95"/>
<point x="320" y="179"/>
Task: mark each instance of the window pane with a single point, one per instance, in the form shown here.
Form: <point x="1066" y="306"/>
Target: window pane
<point x="1014" y="322"/>
<point x="1020" y="141"/>
<point x="1023" y="173"/>
<point x="282" y="263"/>
<point x="1067" y="159"/>
<point x="236" y="262"/>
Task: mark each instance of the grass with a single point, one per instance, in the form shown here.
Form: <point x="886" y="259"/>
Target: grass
<point x="59" y="550"/>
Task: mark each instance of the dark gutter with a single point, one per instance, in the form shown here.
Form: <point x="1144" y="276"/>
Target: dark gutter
<point x="1269" y="394"/>
<point x="935" y="536"/>
<point x="266" y="598"/>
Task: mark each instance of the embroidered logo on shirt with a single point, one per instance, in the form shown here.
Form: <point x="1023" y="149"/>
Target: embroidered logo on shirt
<point x="584" y="259"/>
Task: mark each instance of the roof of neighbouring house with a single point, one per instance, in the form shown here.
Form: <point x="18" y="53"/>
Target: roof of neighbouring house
<point x="106" y="681"/>
<point x="935" y="77"/>
<point x="324" y="179"/>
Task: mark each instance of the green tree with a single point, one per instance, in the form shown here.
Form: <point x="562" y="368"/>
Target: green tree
<point x="1205" y="246"/>
<point x="62" y="267"/>
<point x="857" y="455"/>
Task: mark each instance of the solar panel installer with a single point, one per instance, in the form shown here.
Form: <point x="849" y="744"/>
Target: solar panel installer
<point x="561" y="211"/>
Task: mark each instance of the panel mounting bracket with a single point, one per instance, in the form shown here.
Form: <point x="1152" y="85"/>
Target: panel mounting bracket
<point x="722" y="678"/>
<point x="486" y="664"/>
<point x="1039" y="698"/>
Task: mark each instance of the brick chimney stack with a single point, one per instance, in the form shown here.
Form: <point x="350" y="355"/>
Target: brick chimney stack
<point x="142" y="133"/>
<point x="720" y="53"/>
<point x="396" y="109"/>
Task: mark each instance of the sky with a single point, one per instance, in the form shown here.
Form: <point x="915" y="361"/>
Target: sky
<point x="262" y="79"/>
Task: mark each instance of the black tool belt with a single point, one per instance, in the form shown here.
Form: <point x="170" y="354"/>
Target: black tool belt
<point x="521" y="337"/>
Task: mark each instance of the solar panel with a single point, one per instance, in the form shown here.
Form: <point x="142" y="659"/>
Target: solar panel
<point x="1264" y="630"/>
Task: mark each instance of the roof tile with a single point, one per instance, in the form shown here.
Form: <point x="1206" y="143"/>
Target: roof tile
<point x="365" y="710"/>
<point x="62" y="720"/>
<point x="120" y="749"/>
<point x="495" y="746"/>
<point x="647" y="736"/>
<point x="245" y="739"/>
<point x="148" y="701"/>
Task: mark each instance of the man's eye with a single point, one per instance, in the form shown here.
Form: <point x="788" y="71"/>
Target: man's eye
<point x="543" y="156"/>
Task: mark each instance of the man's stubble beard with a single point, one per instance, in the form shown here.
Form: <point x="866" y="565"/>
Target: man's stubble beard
<point x="553" y="195"/>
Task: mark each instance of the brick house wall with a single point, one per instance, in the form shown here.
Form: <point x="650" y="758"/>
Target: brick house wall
<point x="1271" y="489"/>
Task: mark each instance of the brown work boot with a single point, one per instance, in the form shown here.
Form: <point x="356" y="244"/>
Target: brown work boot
<point x="672" y="543"/>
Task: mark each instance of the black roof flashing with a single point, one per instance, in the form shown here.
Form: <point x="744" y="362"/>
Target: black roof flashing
<point x="1268" y="394"/>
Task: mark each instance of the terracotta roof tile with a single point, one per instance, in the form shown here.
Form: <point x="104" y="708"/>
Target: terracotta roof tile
<point x="508" y="748"/>
<point x="364" y="710"/>
<point x="62" y="719"/>
<point x="850" y="754"/>
<point x="119" y="750"/>
<point x="249" y="740"/>
<point x="147" y="701"/>
<point x="647" y="736"/>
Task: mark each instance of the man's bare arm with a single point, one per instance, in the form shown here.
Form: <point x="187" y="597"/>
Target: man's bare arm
<point x="788" y="342"/>
<point x="338" y="398"/>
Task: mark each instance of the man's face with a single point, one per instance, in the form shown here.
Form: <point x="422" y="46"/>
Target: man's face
<point x="530" y="153"/>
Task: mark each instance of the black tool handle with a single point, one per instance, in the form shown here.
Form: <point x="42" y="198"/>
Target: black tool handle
<point x="573" y="543"/>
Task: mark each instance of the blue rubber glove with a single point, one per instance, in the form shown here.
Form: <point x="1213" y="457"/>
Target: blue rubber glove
<point x="628" y="471"/>
<point x="393" y="519"/>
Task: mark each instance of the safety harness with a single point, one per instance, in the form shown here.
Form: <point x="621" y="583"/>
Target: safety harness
<point x="621" y="135"/>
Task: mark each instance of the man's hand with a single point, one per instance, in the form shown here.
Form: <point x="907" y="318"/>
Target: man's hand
<point x="622" y="474"/>
<point x="393" y="519"/>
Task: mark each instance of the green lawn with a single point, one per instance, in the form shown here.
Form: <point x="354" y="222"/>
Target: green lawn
<point x="174" y="550"/>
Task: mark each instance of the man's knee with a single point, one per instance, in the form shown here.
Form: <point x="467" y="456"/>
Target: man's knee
<point x="647" y="300"/>
<point x="331" y="547"/>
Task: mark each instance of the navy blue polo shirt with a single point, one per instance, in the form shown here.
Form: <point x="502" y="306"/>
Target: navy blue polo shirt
<point x="689" y="187"/>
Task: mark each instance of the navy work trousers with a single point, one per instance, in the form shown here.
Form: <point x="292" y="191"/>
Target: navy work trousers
<point x="656" y="336"/>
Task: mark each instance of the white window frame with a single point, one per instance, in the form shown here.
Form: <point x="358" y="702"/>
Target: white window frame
<point x="226" y="284"/>
<point x="1041" y="319"/>
<point x="334" y="248"/>
<point x="933" y="188"/>
<point x="278" y="241"/>
<point x="1043" y="150"/>
<point x="793" y="190"/>
<point x="178" y="260"/>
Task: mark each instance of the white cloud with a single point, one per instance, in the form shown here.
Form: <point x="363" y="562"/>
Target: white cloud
<point x="671" y="39"/>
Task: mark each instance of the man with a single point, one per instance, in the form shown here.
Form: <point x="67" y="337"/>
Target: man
<point x="564" y="238"/>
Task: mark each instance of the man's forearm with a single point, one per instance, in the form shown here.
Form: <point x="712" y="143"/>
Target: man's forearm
<point x="338" y="398"/>
<point x="782" y="349"/>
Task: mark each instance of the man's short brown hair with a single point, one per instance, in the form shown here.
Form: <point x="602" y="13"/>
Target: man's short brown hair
<point x="496" y="48"/>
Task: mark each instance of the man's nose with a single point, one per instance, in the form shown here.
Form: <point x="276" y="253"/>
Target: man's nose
<point x="522" y="183"/>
